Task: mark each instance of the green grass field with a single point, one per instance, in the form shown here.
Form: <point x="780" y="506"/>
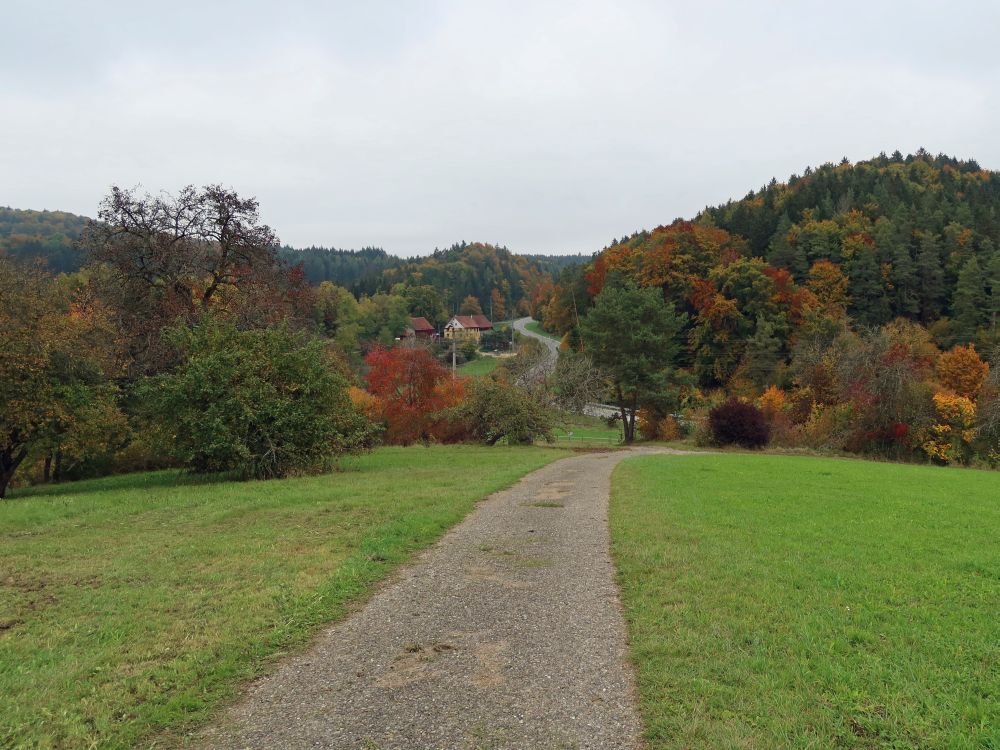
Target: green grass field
<point x="535" y="327"/>
<point x="578" y="429"/>
<point x="479" y="367"/>
<point x="131" y="606"/>
<point x="793" y="602"/>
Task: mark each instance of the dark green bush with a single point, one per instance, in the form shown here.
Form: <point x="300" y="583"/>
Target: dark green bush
<point x="260" y="403"/>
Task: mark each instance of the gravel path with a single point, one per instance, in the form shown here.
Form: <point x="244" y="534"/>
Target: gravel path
<point x="506" y="634"/>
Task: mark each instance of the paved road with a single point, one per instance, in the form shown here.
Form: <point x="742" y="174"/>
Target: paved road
<point x="593" y="410"/>
<point x="551" y="345"/>
<point x="507" y="634"/>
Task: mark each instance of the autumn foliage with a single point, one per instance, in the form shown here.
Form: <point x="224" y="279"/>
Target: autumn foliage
<point x="962" y="370"/>
<point x="414" y="391"/>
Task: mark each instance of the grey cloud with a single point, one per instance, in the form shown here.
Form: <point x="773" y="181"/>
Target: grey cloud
<point x="546" y="126"/>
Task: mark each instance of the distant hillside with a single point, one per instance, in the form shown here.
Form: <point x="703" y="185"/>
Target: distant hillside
<point x="48" y="235"/>
<point x="348" y="268"/>
<point x="364" y="271"/>
<point x="918" y="193"/>
<point x="554" y="264"/>
<point x="462" y="270"/>
<point x="475" y="269"/>
<point x="902" y="229"/>
<point x="914" y="237"/>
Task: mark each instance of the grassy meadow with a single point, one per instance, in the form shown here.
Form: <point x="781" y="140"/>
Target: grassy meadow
<point x="794" y="602"/>
<point x="131" y="606"/>
<point x="479" y="367"/>
<point x="581" y="430"/>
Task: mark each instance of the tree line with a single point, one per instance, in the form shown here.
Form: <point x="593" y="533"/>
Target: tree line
<point x="463" y="270"/>
<point x="809" y="293"/>
<point x="187" y="339"/>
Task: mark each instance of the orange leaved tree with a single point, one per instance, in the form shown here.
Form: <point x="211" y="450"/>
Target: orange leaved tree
<point x="414" y="391"/>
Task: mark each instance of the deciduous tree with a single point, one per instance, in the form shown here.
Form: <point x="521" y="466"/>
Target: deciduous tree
<point x="411" y="385"/>
<point x="498" y="410"/>
<point x="262" y="402"/>
<point x="172" y="258"/>
<point x="55" y="359"/>
<point x="962" y="371"/>
<point x="470" y="306"/>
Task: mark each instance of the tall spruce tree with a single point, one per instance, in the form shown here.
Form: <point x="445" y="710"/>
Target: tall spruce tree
<point x="969" y="304"/>
<point x="869" y="306"/>
<point x="931" y="276"/>
<point x="783" y="254"/>
<point x="905" y="284"/>
<point x="634" y="337"/>
<point x="993" y="279"/>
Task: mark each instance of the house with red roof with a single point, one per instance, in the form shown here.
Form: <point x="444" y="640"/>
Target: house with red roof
<point x="421" y="328"/>
<point x="467" y="327"/>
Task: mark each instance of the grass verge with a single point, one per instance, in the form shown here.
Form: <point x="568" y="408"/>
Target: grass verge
<point x="535" y="327"/>
<point x="579" y="429"/>
<point x="799" y="602"/>
<point x="479" y="367"/>
<point x="132" y="606"/>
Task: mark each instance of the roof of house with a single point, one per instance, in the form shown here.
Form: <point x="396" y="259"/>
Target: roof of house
<point x="473" y="321"/>
<point x="421" y="324"/>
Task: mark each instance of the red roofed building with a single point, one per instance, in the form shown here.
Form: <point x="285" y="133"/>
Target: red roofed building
<point x="421" y="328"/>
<point x="467" y="327"/>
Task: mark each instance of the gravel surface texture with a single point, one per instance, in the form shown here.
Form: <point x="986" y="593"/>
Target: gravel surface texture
<point x="506" y="634"/>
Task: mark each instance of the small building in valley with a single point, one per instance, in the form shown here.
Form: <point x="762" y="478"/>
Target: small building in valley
<point x="420" y="328"/>
<point x="467" y="327"/>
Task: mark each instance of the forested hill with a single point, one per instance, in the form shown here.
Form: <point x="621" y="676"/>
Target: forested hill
<point x="372" y="270"/>
<point x="904" y="197"/>
<point x="348" y="268"/>
<point x="476" y="270"/>
<point x="25" y="235"/>
<point x="915" y="237"/>
<point x="458" y="272"/>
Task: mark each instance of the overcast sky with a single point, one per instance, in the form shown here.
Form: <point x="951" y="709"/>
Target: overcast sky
<point x="544" y="126"/>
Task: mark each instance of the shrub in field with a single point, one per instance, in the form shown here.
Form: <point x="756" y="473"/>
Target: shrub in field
<point x="655" y="425"/>
<point x="669" y="429"/>
<point x="469" y="349"/>
<point x="779" y="410"/>
<point x="496" y="410"/>
<point x="988" y="417"/>
<point x="738" y="423"/>
<point x="366" y="403"/>
<point x="772" y="402"/>
<point x="647" y="423"/>
<point x="262" y="403"/>
<point x="828" y="426"/>
<point x="448" y="425"/>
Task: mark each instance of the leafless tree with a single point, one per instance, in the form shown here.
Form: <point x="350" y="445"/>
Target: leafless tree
<point x="167" y="259"/>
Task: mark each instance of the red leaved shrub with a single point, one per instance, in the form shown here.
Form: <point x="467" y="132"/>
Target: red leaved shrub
<point x="738" y="423"/>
